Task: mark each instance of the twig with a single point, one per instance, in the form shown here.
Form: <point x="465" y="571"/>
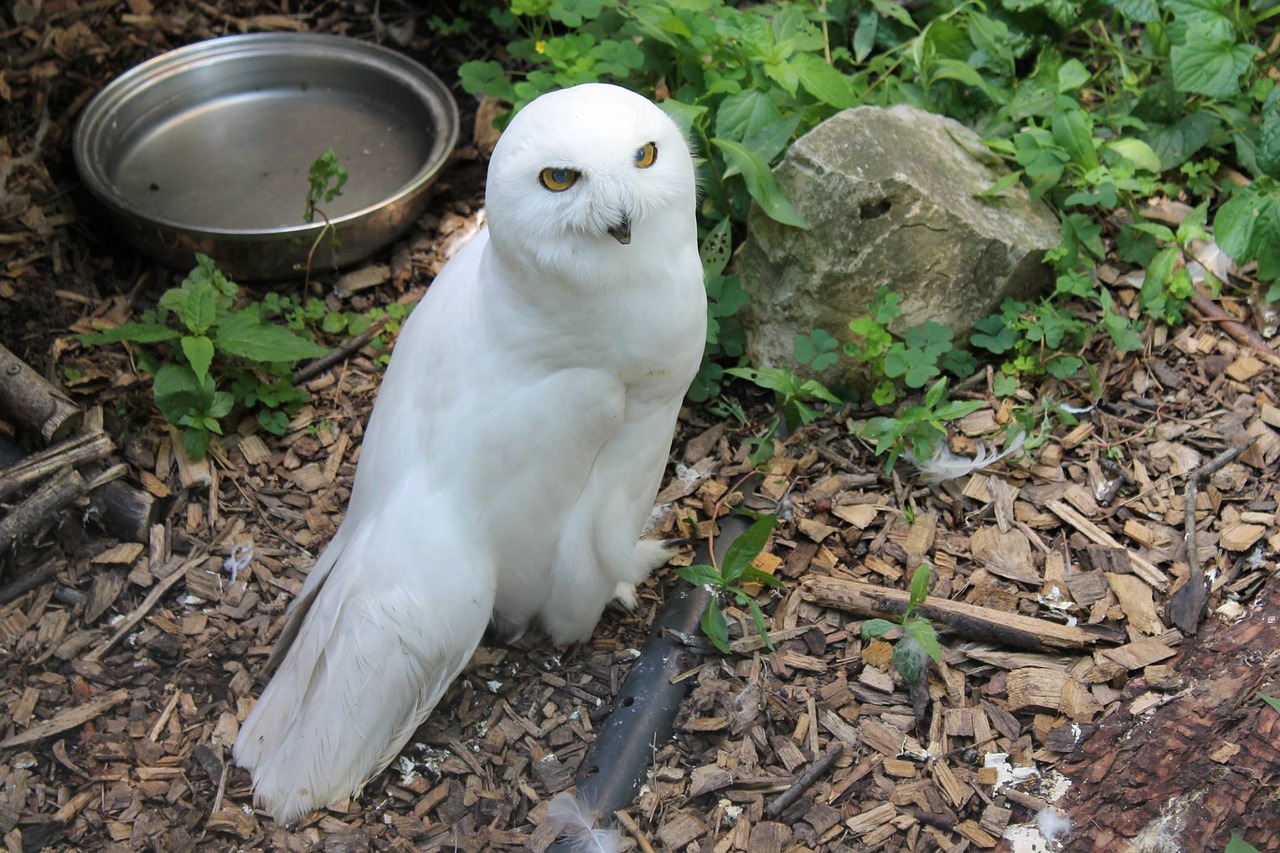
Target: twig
<point x="629" y="823"/>
<point x="815" y="772"/>
<point x="1238" y="331"/>
<point x="1186" y="606"/>
<point x="85" y="447"/>
<point x="344" y="350"/>
<point x="157" y="592"/>
<point x="26" y="583"/>
<point x="55" y="494"/>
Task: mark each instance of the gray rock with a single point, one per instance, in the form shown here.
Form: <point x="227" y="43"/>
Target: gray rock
<point x="889" y="198"/>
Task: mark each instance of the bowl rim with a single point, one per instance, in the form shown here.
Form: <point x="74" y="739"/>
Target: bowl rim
<point x="93" y="123"/>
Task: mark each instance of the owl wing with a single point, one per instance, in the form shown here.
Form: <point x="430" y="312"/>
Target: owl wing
<point x="396" y="618"/>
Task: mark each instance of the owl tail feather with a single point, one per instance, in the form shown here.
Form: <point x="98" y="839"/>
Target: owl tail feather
<point x="575" y="824"/>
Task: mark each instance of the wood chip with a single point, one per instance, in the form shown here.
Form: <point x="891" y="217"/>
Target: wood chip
<point x="872" y="818"/>
<point x="1006" y="554"/>
<point x="1143" y="568"/>
<point x="1137" y="602"/>
<point x="1241" y="536"/>
<point x="67" y="718"/>
<point x="860" y="516"/>
<point x="1138" y="654"/>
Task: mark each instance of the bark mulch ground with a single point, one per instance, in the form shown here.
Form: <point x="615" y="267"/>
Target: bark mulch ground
<point x="130" y="658"/>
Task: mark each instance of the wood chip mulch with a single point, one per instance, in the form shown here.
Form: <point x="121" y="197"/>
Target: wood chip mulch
<point x="129" y="665"/>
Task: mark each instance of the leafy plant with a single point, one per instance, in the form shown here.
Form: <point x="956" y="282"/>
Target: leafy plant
<point x="1270" y="700"/>
<point x="325" y="181"/>
<point x="205" y="356"/>
<point x="911" y="361"/>
<point x="725" y="582"/>
<point x="919" y="640"/>
<point x="1239" y="845"/>
<point x="916" y="430"/>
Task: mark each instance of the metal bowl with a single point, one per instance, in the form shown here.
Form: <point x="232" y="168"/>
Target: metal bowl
<point x="207" y="149"/>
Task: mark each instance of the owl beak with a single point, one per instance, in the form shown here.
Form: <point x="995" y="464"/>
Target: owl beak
<point x="622" y="231"/>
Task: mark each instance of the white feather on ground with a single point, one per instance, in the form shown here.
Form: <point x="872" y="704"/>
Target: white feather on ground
<point x="516" y="447"/>
<point x="575" y="823"/>
<point x="946" y="465"/>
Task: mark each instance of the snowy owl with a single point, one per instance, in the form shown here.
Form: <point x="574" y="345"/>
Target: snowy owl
<point x="514" y="452"/>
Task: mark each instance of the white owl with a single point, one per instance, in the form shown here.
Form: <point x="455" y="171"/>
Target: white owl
<point x="515" y="450"/>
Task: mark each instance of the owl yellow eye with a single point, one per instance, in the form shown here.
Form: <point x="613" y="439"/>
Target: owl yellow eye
<point x="557" y="179"/>
<point x="646" y="155"/>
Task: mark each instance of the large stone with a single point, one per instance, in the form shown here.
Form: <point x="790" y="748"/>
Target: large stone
<point x="889" y="196"/>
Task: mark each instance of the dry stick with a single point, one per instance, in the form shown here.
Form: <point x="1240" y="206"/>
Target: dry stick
<point x="26" y="583"/>
<point x="967" y="620"/>
<point x="54" y="495"/>
<point x="1186" y="606"/>
<point x="336" y="355"/>
<point x="157" y="592"/>
<point x="815" y="772"/>
<point x="632" y="827"/>
<point x="86" y="447"/>
<point x="1238" y="331"/>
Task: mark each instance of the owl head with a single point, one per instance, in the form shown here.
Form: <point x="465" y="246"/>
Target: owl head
<point x="593" y="174"/>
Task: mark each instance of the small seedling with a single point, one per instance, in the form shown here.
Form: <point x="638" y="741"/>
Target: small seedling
<point x="326" y="179"/>
<point x="726" y="581"/>
<point x="1270" y="700"/>
<point x="919" y="640"/>
<point x="916" y="430"/>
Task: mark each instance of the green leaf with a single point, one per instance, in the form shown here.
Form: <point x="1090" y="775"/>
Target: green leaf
<point x="1210" y="62"/>
<point x="1072" y="75"/>
<point x="864" y="37"/>
<point x="138" y="333"/>
<point x="760" y="182"/>
<point x="922" y="631"/>
<point x="910" y="659"/>
<point x="1248" y="227"/>
<point x="701" y="575"/>
<point x="1000" y="186"/>
<point x="1175" y="143"/>
<point x="1239" y="845"/>
<point x="753" y="575"/>
<point x="745" y="548"/>
<point x="1270" y="700"/>
<point x="1269" y="137"/>
<point x="1136" y="152"/>
<point x="1138" y="11"/>
<point x="714" y="626"/>
<point x="716" y="248"/>
<point x="199" y="353"/>
<point x="196" y="442"/>
<point x="873" y="628"/>
<point x="1073" y="131"/>
<point x="244" y="336"/>
<point x="919" y="587"/>
<point x="823" y="82"/>
<point x="757" y="616"/>
<point x="752" y="118"/>
<point x="196" y="306"/>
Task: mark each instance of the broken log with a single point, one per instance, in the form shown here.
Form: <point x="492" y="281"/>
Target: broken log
<point x="72" y="452"/>
<point x="33" y="403"/>
<point x="1201" y="765"/>
<point x="968" y="620"/>
<point x="122" y="509"/>
<point x="53" y="496"/>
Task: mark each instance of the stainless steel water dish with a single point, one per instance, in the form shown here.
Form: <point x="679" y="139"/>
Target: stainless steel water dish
<point x="207" y="149"/>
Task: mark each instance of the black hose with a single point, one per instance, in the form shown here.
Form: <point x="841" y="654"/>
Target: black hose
<point x="644" y="712"/>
